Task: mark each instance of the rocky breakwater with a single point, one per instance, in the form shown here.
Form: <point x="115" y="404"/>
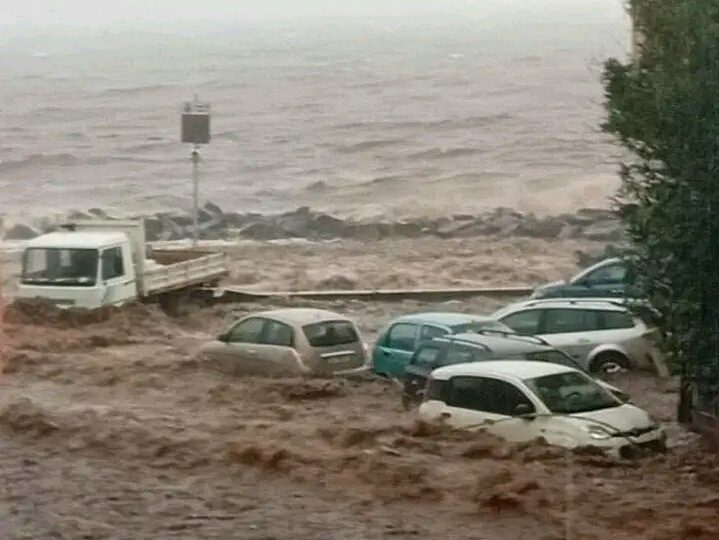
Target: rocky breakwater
<point x="216" y="224"/>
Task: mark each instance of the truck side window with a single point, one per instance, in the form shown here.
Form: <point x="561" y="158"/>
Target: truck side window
<point x="112" y="263"/>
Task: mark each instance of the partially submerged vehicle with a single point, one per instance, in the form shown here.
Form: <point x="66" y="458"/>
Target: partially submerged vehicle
<point x="480" y="347"/>
<point x="598" y="333"/>
<point x="399" y="339"/>
<point x="93" y="264"/>
<point x="521" y="401"/>
<point x="292" y="341"/>
<point x="607" y="278"/>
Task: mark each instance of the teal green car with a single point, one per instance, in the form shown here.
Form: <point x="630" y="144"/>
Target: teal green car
<point x="399" y="339"/>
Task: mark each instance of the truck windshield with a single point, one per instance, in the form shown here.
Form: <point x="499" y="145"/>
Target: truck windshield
<point x="60" y="267"/>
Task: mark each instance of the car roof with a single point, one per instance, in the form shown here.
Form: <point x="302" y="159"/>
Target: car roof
<point x="77" y="240"/>
<point x="503" y="344"/>
<point x="300" y="316"/>
<point x="519" y="369"/>
<point x="441" y="318"/>
<point x="604" y="304"/>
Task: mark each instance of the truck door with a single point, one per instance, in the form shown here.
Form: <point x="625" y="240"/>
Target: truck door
<point x="118" y="276"/>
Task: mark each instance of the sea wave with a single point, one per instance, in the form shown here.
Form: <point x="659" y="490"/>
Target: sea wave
<point x="40" y="160"/>
<point x="363" y="146"/>
<point x="444" y="152"/>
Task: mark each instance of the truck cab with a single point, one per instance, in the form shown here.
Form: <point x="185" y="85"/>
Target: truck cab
<point x="100" y="263"/>
<point x="79" y="269"/>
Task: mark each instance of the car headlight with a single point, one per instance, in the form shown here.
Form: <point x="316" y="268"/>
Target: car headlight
<point x="598" y="433"/>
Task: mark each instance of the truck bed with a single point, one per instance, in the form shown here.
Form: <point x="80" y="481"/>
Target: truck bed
<point x="168" y="270"/>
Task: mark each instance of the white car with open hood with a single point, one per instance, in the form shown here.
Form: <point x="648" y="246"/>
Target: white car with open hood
<point x="521" y="401"/>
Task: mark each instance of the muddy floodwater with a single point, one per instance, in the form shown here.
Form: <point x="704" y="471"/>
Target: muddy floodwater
<point x="111" y="428"/>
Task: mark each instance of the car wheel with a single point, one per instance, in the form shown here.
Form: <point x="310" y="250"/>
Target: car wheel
<point x="609" y="361"/>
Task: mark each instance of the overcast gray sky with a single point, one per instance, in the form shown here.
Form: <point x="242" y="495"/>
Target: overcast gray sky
<point x="107" y="12"/>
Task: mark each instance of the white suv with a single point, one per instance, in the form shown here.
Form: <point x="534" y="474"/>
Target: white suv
<point x="597" y="333"/>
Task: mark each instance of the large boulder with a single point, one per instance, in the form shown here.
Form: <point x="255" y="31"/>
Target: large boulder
<point x="549" y="227"/>
<point x="76" y="215"/>
<point x="603" y="231"/>
<point x="20" y="232"/>
<point x="327" y="226"/>
<point x="154" y="229"/>
<point x="461" y="228"/>
<point x="502" y="222"/>
<point x="98" y="213"/>
<point x="262" y="230"/>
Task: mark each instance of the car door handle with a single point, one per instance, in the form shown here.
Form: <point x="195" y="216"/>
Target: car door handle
<point x="446" y="415"/>
<point x="583" y="340"/>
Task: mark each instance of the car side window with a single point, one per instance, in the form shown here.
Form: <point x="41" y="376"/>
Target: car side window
<point x="402" y="336"/>
<point x="431" y="332"/>
<point x="613" y="273"/>
<point x="112" y="263"/>
<point x="248" y="331"/>
<point x="277" y="333"/>
<point x="614" y="320"/>
<point x="562" y="321"/>
<point x="427" y="356"/>
<point x="459" y="354"/>
<point x="524" y="322"/>
<point x="486" y="395"/>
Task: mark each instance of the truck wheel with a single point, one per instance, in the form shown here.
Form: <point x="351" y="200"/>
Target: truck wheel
<point x="170" y="303"/>
<point x="609" y="360"/>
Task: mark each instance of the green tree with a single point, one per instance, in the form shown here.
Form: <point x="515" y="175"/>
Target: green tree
<point x="663" y="105"/>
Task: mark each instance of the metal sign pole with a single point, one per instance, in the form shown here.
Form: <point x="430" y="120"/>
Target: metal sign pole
<point x="195" y="129"/>
<point x="195" y="194"/>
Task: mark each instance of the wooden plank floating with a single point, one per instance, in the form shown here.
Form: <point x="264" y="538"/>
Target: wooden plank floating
<point x="230" y="295"/>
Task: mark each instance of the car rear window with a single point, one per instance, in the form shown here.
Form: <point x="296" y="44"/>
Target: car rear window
<point x="330" y="333"/>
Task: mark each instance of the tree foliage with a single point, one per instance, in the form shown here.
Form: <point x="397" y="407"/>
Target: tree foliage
<point x="664" y="108"/>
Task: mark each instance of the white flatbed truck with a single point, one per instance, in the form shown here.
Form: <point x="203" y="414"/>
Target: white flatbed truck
<point x="93" y="264"/>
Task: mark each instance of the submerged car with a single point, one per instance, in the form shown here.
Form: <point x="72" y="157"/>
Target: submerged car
<point x="597" y="333"/>
<point x="521" y="401"/>
<point x="399" y="339"/>
<point x="289" y="342"/>
<point x="607" y="278"/>
<point x="479" y="347"/>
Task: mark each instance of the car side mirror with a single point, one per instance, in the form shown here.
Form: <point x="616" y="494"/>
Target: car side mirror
<point x="224" y="337"/>
<point x="525" y="411"/>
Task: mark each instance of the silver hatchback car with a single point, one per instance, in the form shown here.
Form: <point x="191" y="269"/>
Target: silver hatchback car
<point x="597" y="333"/>
<point x="288" y="342"/>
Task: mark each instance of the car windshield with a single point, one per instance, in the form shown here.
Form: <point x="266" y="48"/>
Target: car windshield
<point x="572" y="392"/>
<point x="60" y="267"/>
<point x="480" y="325"/>
<point x="330" y="333"/>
